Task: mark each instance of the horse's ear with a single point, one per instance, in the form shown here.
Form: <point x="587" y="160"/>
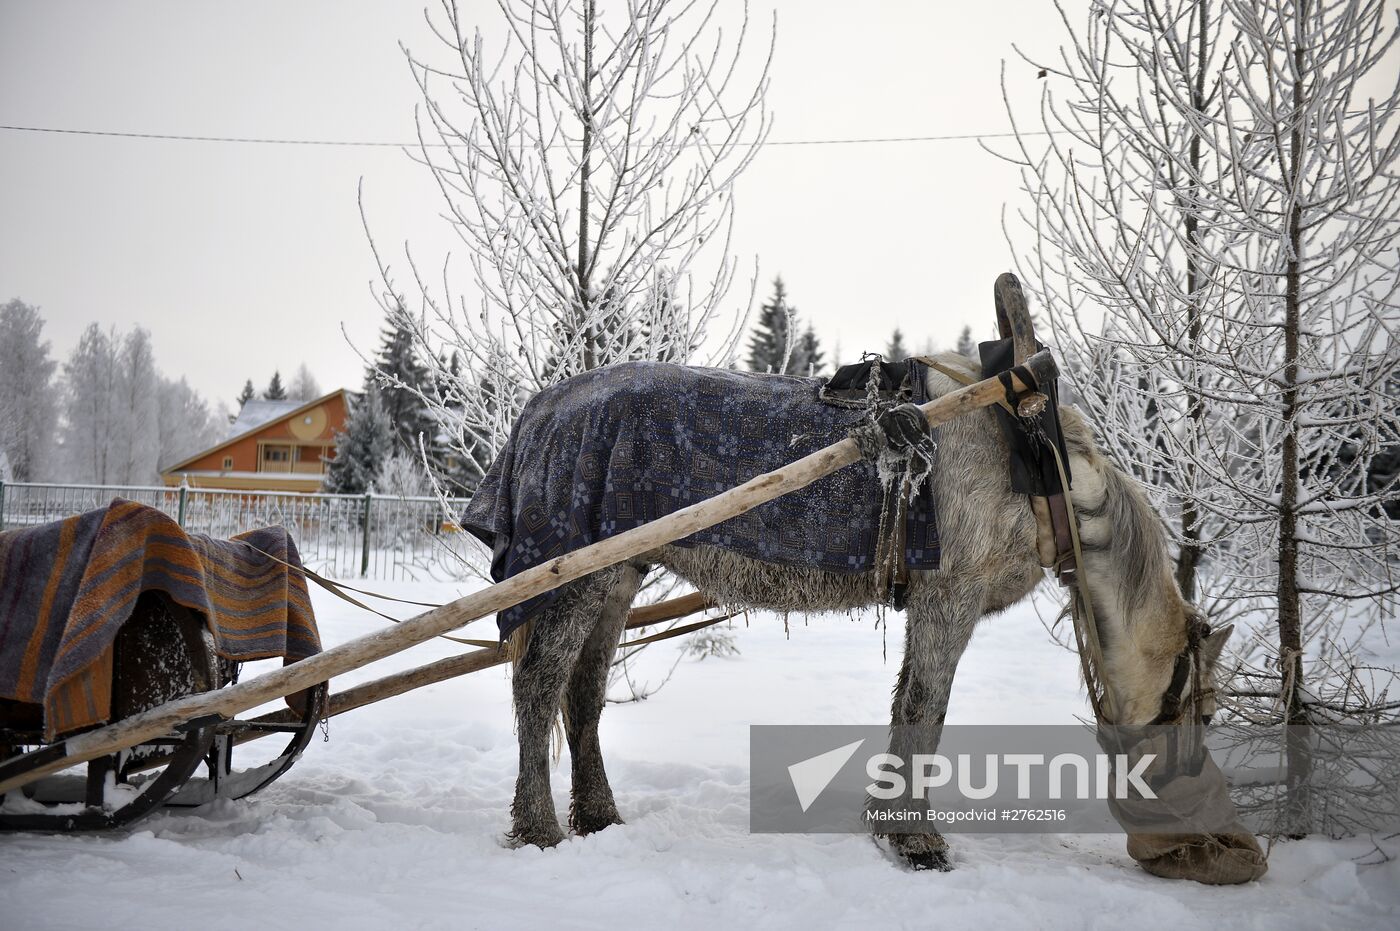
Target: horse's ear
<point x="1215" y="643"/>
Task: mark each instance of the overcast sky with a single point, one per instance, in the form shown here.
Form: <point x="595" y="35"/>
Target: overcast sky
<point x="241" y="259"/>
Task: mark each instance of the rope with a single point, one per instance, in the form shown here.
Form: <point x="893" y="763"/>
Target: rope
<point x="676" y="631"/>
<point x="338" y="589"/>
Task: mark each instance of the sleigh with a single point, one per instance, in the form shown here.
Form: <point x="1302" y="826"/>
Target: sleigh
<point x="117" y="578"/>
<point x="174" y="727"/>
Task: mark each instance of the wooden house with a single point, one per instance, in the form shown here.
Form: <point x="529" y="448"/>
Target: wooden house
<point x="272" y="446"/>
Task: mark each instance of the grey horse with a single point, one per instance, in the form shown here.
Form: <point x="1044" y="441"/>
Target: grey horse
<point x="989" y="562"/>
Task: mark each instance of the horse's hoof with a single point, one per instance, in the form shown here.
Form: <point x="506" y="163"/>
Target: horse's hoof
<point x="584" y="825"/>
<point x="929" y="860"/>
<point x="922" y="851"/>
<point x="543" y="838"/>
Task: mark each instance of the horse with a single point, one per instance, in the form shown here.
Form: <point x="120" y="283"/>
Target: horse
<point x="989" y="561"/>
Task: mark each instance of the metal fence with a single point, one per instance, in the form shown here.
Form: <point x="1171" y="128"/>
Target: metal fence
<point x="369" y="536"/>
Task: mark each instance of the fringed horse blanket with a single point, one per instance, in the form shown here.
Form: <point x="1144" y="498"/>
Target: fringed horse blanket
<point x="66" y="588"/>
<point x="615" y="448"/>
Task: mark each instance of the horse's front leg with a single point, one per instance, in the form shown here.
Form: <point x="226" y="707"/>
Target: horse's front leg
<point x="936" y="632"/>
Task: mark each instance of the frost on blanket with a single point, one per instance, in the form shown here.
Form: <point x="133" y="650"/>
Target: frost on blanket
<point x="617" y="447"/>
<point x="66" y="588"/>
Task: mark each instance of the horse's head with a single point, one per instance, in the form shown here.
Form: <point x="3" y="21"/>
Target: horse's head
<point x="1190" y="694"/>
<point x="1162" y="669"/>
<point x="1159" y="651"/>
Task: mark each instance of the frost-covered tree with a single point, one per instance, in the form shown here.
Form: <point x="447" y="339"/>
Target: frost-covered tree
<point x="137" y="438"/>
<point x="1317" y="228"/>
<point x="1384" y="471"/>
<point x="966" y="345"/>
<point x="362" y="448"/>
<point x="91" y="419"/>
<point x="28" y="409"/>
<point x="588" y="164"/>
<point x="771" y="346"/>
<point x="186" y="424"/>
<point x="1215" y="229"/>
<point x="402" y="476"/>
<point x="121" y="418"/>
<point x="896" y="350"/>
<point x="274" y="390"/>
<point x="247" y="394"/>
<point x="304" y="386"/>
<point x="1118" y="191"/>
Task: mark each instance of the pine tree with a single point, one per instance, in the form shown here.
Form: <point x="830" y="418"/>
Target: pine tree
<point x="247" y="394"/>
<point x="362" y="448"/>
<point x="807" y="355"/>
<point x="896" y="351"/>
<point x="966" y="345"/>
<point x="402" y="380"/>
<point x="768" y="347"/>
<point x="275" y="391"/>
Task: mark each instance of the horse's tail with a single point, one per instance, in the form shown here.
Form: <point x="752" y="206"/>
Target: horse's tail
<point x="516" y="642"/>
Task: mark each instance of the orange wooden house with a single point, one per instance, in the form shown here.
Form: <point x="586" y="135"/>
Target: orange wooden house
<point x="272" y="446"/>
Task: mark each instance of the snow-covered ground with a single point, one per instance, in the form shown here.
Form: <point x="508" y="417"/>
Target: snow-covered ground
<point x="397" y="821"/>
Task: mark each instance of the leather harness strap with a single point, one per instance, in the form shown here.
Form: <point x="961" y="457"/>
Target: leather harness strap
<point x="1051" y="511"/>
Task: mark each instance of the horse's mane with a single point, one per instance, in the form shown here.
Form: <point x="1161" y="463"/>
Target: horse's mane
<point x="1120" y="526"/>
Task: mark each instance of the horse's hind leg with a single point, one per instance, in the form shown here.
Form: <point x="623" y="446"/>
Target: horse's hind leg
<point x="593" y="808"/>
<point x="557" y="635"/>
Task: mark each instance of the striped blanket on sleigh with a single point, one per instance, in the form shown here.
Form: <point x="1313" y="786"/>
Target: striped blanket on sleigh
<point x="67" y="587"/>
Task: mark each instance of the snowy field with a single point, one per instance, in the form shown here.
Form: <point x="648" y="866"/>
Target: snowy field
<point x="397" y="821"/>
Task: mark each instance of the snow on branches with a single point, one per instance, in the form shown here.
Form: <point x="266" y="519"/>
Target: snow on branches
<point x="588" y="164"/>
<point x="1214" y="223"/>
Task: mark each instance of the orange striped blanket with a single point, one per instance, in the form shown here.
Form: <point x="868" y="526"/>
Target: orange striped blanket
<point x="66" y="588"/>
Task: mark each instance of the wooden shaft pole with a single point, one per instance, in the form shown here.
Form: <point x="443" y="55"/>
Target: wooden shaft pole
<point x="222" y="704"/>
<point x="453" y="666"/>
<point x="367" y="693"/>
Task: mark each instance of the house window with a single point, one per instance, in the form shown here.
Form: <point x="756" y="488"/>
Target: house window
<point x="276" y="459"/>
<point x="228" y="463"/>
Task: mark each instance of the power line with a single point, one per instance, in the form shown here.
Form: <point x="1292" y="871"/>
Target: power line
<point x="253" y="140"/>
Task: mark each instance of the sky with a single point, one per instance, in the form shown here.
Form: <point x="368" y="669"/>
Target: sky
<point x="242" y="258"/>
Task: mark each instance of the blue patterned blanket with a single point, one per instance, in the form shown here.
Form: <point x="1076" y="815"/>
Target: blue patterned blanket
<point x="617" y="447"/>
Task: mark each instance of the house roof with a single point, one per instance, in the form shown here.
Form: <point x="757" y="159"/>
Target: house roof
<point x="254" y="423"/>
<point x="257" y="412"/>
